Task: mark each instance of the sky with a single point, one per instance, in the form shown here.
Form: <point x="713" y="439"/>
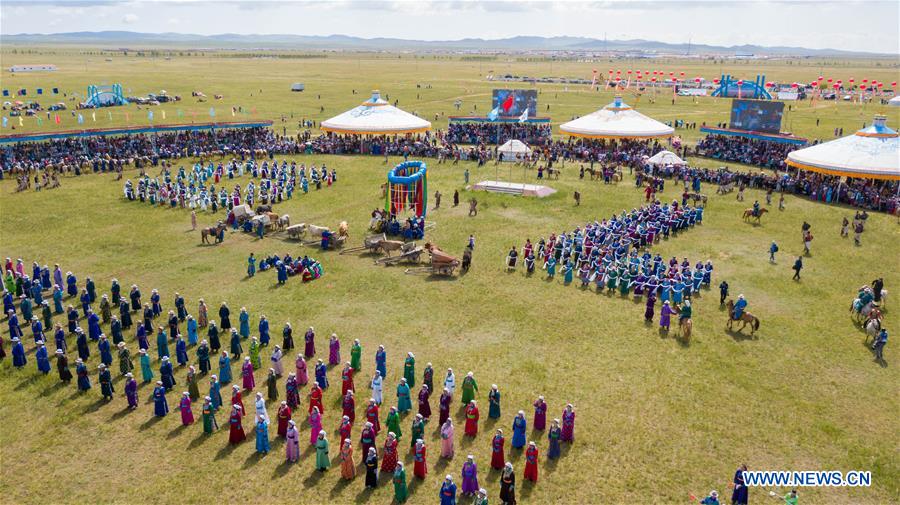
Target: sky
<point x="854" y="25"/>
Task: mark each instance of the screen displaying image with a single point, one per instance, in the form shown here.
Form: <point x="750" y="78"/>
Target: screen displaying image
<point x="756" y="115"/>
<point x="513" y="102"/>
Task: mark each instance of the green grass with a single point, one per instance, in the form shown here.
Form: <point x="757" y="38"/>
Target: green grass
<point x="657" y="419"/>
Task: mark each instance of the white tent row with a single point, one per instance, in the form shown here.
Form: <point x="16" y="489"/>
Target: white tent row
<point x="375" y="116"/>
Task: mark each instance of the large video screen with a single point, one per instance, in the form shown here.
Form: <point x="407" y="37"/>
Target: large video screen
<point x="513" y="102"/>
<point x="757" y="115"/>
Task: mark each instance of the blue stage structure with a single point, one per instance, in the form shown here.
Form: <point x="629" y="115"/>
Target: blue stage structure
<point x="105" y="96"/>
<point x="729" y="88"/>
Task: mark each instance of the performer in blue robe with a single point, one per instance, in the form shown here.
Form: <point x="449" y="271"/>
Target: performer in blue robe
<point x="71" y="284"/>
<point x="192" y="330"/>
<point x="106" y="384"/>
<point x="84" y="382"/>
<point x="60" y="337"/>
<point x="166" y="374"/>
<point x="93" y="325"/>
<point x="18" y="353"/>
<point x="262" y="436"/>
<point x="81" y="342"/>
<point x="181" y="355"/>
<point x="105" y="354"/>
<point x="322" y="375"/>
<point x="244" y="323"/>
<point x="57" y="300"/>
<point x="263" y="331"/>
<point x="115" y="328"/>
<point x="160" y="405"/>
<point x="215" y="395"/>
<point x="519" y="426"/>
<point x="42" y="358"/>
<point x="381" y="361"/>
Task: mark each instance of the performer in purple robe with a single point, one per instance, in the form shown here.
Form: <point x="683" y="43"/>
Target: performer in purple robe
<point x="540" y="414"/>
<point x="247" y="374"/>
<point x="334" y="350"/>
<point x="568" y="424"/>
<point x="310" y="339"/>
<point x="665" y="314"/>
<point x="444" y="408"/>
<point x="651" y="307"/>
<point x="469" y="476"/>
<point x="131" y="391"/>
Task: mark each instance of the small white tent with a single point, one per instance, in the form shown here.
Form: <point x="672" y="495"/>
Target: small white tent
<point x="894" y="101"/>
<point x="664" y="158"/>
<point x="514" y="150"/>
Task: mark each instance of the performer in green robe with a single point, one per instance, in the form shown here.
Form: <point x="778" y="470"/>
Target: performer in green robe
<point x="494" y="402"/>
<point x="254" y="354"/>
<point x="409" y="370"/>
<point x="323" y="462"/>
<point x="209" y="417"/>
<point x="125" y="363"/>
<point x="399" y="479"/>
<point x="611" y="277"/>
<point x="469" y="387"/>
<point x="393" y="423"/>
<point x="404" y="404"/>
<point x="625" y="283"/>
<point x="146" y="371"/>
<point x="356" y="356"/>
<point x="418" y="430"/>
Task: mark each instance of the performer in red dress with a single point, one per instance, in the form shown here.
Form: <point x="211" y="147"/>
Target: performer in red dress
<point x="472" y="419"/>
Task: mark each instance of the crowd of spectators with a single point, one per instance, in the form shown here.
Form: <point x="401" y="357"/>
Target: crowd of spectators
<point x="760" y="153"/>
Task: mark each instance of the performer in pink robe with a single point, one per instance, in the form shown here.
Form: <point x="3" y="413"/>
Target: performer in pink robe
<point x="247" y="374"/>
<point x="187" y="416"/>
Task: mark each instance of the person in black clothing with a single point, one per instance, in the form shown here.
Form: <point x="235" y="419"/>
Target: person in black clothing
<point x="798" y="265"/>
<point x="723" y="292"/>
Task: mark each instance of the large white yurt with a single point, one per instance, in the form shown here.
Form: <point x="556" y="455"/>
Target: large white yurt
<point x="616" y="121"/>
<point x="375" y="116"/>
<point x="871" y="153"/>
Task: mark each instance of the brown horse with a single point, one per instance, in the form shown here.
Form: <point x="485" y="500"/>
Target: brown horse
<point x="746" y="318"/>
<point x="213" y="231"/>
<point x="749" y="214"/>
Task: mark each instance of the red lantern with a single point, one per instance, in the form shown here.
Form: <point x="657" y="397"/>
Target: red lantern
<point x="671" y="74"/>
<point x="893" y="83"/>
<point x="835" y="86"/>
<point x="851" y="80"/>
<point x="653" y="79"/>
<point x="820" y="77"/>
<point x="865" y="80"/>
<point x="862" y="87"/>
<point x="795" y="85"/>
<point x="629" y="72"/>
<point x="829" y="80"/>
<point x="880" y="84"/>
<point x="697" y="80"/>
<point x="840" y="81"/>
<point x="740" y="83"/>
<point x="715" y="81"/>
<point x="610" y="71"/>
<point x="618" y="72"/>
<point x="682" y="74"/>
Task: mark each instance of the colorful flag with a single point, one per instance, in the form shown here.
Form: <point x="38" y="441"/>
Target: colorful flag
<point x="94" y="116"/>
<point x="179" y="113"/>
<point x="594" y="80"/>
<point x="150" y="115"/>
<point x="508" y="103"/>
<point x="21" y="121"/>
<point x="110" y="115"/>
<point x="212" y="112"/>
<point x="163" y="113"/>
<point x="39" y="121"/>
<point x="494" y="114"/>
<point x="524" y="117"/>
<point x="80" y="119"/>
<point x="58" y="119"/>
<point x="232" y="112"/>
<point x="127" y="117"/>
<point x="5" y="121"/>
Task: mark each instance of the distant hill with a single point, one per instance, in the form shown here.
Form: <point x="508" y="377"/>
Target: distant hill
<point x="521" y="43"/>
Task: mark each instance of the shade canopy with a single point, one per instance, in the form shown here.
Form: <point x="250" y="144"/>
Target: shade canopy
<point x="375" y="116"/>
<point x="666" y="158"/>
<point x="513" y="149"/>
<point x="616" y="121"/>
<point x="894" y="101"/>
<point x="871" y="153"/>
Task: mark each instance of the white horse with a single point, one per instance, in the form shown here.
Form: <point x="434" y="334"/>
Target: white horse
<point x="862" y="311"/>
<point x="873" y="327"/>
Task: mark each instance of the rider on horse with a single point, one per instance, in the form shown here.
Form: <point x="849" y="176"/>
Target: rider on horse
<point x="686" y="312"/>
<point x="739" y="307"/>
<point x="756" y="208"/>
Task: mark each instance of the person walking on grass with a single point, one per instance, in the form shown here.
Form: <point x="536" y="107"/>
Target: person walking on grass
<point x="878" y="345"/>
<point x="798" y="265"/>
<point x="772" y="250"/>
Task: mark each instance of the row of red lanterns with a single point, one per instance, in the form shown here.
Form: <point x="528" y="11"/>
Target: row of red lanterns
<point x="864" y="85"/>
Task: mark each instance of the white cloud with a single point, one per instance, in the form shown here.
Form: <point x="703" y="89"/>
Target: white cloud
<point x="130" y="18"/>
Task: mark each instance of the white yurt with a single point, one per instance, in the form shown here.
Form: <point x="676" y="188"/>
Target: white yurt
<point x="871" y="153"/>
<point x="895" y="101"/>
<point x="375" y="116"/>
<point x="514" y="150"/>
<point x="664" y="158"/>
<point x="616" y="121"/>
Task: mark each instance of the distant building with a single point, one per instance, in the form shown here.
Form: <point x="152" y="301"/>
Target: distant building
<point x="297" y="86"/>
<point x="32" y="68"/>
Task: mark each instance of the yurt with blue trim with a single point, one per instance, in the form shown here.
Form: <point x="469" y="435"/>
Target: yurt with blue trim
<point x="870" y="153"/>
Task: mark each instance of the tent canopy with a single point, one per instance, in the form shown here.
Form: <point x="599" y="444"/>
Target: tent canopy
<point x="616" y="121"/>
<point x="375" y="116"/>
<point x="514" y="149"/>
<point x="871" y="153"/>
<point x="895" y="101"/>
<point x="666" y="158"/>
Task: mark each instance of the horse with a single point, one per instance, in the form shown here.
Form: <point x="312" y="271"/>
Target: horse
<point x="862" y="311"/>
<point x="749" y="213"/>
<point x="262" y="209"/>
<point x="283" y="222"/>
<point x="212" y="230"/>
<point x="873" y="327"/>
<point x="687" y="327"/>
<point x="746" y="318"/>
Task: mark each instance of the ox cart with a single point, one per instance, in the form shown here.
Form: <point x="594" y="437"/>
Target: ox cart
<point x="408" y="253"/>
<point x="441" y="263"/>
<point x="370" y="244"/>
